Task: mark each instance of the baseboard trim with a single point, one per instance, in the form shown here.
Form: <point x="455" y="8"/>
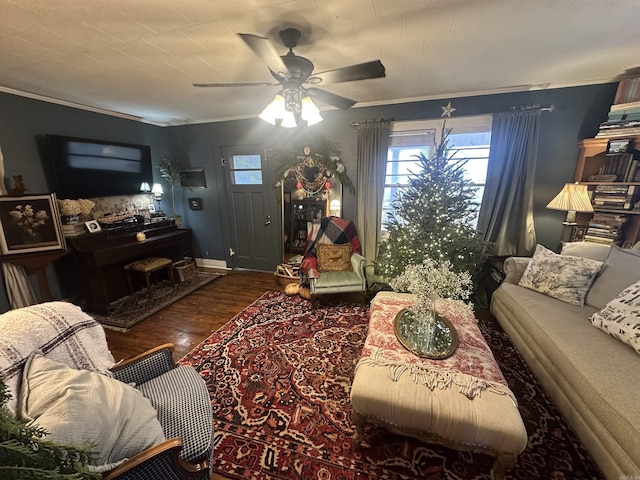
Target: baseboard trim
<point x="209" y="263"/>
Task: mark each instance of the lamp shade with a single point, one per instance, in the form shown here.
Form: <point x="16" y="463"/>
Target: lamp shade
<point x="310" y="112"/>
<point x="274" y="111"/>
<point x="144" y="187"/>
<point x="572" y="198"/>
<point x="289" y="120"/>
<point x="157" y="189"/>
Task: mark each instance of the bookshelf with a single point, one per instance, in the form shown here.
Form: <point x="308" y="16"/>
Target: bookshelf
<point x="302" y="212"/>
<point x="613" y="181"/>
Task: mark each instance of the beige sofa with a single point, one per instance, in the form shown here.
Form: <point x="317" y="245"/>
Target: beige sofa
<point x="593" y="378"/>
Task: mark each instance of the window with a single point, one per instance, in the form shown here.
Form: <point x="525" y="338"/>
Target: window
<point x="470" y="138"/>
<point x="246" y="169"/>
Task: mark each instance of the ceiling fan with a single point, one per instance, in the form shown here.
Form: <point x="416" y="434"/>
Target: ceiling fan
<point x="292" y="72"/>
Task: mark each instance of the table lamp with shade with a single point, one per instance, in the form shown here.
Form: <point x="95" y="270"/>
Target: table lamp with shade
<point x="157" y="194"/>
<point x="573" y="198"/>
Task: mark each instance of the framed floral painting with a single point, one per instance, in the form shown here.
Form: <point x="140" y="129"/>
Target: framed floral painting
<point x="30" y="224"/>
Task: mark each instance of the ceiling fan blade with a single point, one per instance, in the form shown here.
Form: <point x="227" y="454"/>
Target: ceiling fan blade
<point x="255" y="84"/>
<point x="362" y="71"/>
<point x="330" y="98"/>
<point x="264" y="49"/>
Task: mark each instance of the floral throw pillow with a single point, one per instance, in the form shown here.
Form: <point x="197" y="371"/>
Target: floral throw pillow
<point x="620" y="318"/>
<point x="336" y="258"/>
<point x="563" y="277"/>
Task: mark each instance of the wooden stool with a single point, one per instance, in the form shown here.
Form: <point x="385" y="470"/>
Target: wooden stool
<point x="147" y="266"/>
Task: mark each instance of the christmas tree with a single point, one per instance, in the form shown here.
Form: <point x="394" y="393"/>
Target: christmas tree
<point x="433" y="218"/>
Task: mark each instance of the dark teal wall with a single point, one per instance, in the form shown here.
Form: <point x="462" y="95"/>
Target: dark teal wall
<point x="23" y="124"/>
<point x="579" y="110"/>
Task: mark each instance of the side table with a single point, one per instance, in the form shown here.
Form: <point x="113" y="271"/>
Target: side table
<point x="37" y="263"/>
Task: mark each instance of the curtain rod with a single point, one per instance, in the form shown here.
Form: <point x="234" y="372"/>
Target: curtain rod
<point x="550" y="108"/>
<point x="522" y="108"/>
<point x="378" y="120"/>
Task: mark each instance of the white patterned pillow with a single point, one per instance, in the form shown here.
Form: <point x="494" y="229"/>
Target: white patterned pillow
<point x="564" y="277"/>
<point x="620" y="318"/>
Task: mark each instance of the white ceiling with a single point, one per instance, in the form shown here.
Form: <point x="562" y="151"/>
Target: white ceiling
<point x="138" y="58"/>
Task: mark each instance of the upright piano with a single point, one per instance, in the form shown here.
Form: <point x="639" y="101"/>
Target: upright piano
<point x="99" y="259"/>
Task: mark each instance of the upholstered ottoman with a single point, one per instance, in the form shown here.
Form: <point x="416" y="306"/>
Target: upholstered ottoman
<point x="462" y="402"/>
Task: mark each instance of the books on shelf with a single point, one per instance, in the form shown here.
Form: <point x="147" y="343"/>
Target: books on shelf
<point x="621" y="197"/>
<point x="625" y="107"/>
<point x="624" y="115"/>
<point x="612" y="219"/>
<point x="628" y="91"/>
<point x="618" y="132"/>
<point x="593" y="239"/>
<point x="624" y="167"/>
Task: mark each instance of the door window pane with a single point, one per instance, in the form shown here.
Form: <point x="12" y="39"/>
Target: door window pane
<point x="246" y="169"/>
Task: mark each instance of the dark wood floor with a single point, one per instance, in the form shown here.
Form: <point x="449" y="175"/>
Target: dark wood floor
<point x="190" y="320"/>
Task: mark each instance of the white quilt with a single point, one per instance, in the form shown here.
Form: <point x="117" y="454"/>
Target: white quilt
<point x="62" y="331"/>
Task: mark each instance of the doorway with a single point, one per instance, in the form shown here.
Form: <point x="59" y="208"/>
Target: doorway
<point x="253" y="211"/>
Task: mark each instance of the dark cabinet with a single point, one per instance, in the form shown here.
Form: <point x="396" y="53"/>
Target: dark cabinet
<point x="303" y="212"/>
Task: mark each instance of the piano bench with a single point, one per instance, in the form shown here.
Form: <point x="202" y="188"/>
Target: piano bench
<point x="148" y="266"/>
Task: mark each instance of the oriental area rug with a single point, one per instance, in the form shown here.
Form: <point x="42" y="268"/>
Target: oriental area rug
<point x="279" y="375"/>
<point x="130" y="310"/>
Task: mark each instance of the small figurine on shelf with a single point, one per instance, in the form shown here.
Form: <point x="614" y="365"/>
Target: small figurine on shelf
<point x="19" y="188"/>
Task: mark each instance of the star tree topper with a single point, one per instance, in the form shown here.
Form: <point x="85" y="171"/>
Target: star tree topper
<point x="447" y="110"/>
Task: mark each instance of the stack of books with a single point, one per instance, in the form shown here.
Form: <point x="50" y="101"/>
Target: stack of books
<point x="628" y="91"/>
<point x="605" y="228"/>
<point x="73" y="230"/>
<point x="617" y="197"/>
<point x="624" y="116"/>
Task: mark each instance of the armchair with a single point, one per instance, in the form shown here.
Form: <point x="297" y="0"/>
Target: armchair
<point x="330" y="270"/>
<point x="63" y="333"/>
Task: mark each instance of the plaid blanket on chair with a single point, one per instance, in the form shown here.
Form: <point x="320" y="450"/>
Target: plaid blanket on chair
<point x="61" y="331"/>
<point x="333" y="230"/>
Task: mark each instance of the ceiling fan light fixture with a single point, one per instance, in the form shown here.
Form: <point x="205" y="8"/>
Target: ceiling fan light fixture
<point x="310" y="112"/>
<point x="275" y="110"/>
<point x="292" y="100"/>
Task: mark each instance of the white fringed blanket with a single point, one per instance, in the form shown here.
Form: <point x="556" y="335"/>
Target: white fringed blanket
<point x="471" y="369"/>
<point x="62" y="331"/>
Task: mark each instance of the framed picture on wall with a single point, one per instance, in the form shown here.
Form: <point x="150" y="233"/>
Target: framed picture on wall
<point x="30" y="224"/>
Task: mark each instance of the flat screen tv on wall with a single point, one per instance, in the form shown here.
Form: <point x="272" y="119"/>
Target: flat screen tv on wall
<point x="84" y="168"/>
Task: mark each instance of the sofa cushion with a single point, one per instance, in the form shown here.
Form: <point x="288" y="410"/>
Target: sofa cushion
<point x="79" y="407"/>
<point x="620" y="318"/>
<point x="594" y="251"/>
<point x="564" y="277"/>
<point x="621" y="269"/>
<point x="334" y="258"/>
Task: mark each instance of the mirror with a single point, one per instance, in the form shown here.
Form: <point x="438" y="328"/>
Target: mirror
<point x="300" y="206"/>
<point x="312" y="178"/>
